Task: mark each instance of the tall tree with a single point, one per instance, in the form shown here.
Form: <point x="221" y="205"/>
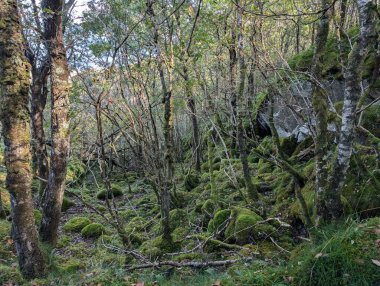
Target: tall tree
<point x="60" y="91"/>
<point x="320" y="107"/>
<point x="352" y="93"/>
<point x="14" y="84"/>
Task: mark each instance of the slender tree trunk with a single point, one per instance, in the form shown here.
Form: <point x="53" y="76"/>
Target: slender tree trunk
<point x="194" y="121"/>
<point x="60" y="91"/>
<point x="39" y="95"/>
<point x="351" y="97"/>
<point x="167" y="130"/>
<point x="14" y="84"/>
<point x="320" y="107"/>
<point x="251" y="190"/>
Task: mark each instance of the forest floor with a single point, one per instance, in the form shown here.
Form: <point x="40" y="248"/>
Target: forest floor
<point x="271" y="247"/>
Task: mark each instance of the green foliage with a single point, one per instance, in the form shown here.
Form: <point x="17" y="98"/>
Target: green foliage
<point x="11" y="275"/>
<point x="93" y="230"/>
<point x="340" y="256"/>
<point x="76" y="224"/>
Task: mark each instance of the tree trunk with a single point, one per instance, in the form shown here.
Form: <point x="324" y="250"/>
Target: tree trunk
<point x="60" y="90"/>
<point x="351" y="97"/>
<point x="167" y="130"/>
<point x="320" y="107"/>
<point x="39" y="95"/>
<point x="14" y="83"/>
<point x="251" y="190"/>
<point x="194" y="121"/>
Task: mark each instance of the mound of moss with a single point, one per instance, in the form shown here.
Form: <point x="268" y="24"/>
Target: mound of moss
<point x="93" y="230"/>
<point x="76" y="224"/>
<point x="66" y="204"/>
<point x="115" y="192"/>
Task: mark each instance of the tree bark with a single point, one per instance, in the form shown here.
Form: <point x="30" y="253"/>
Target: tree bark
<point x="38" y="103"/>
<point x="251" y="190"/>
<point x="14" y="83"/>
<point x="60" y="90"/>
<point x="320" y="107"/>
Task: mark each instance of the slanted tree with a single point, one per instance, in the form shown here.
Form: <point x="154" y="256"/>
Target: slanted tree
<point x="14" y="92"/>
<point x="60" y="91"/>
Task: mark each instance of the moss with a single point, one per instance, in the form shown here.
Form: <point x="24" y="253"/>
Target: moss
<point x="116" y="192"/>
<point x="10" y="275"/>
<point x="180" y="233"/>
<point x="76" y="224"/>
<point x="63" y="241"/>
<point x="72" y="265"/>
<point x="93" y="230"/>
<point x="75" y="170"/>
<point x="158" y="246"/>
<point x="191" y="181"/>
<point x="38" y="217"/>
<point x="288" y="145"/>
<point x="137" y="224"/>
<point x="219" y="221"/>
<point x="66" y="204"/>
<point x="245" y="225"/>
<point x="208" y="208"/>
<point x="178" y="217"/>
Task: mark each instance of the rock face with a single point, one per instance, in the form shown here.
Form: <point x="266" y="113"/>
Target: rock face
<point x="292" y="107"/>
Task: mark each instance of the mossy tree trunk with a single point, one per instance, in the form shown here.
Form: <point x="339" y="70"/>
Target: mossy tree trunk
<point x="320" y="107"/>
<point x="60" y="91"/>
<point x="352" y="95"/>
<point x="14" y="84"/>
<point x="167" y="128"/>
<point x="251" y="190"/>
<point x="38" y="103"/>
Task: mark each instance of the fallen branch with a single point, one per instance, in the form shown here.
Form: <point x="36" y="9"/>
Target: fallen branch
<point x="193" y="264"/>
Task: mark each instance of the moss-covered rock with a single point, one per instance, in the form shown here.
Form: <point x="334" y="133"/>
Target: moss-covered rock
<point x="219" y="222"/>
<point x="76" y="224"/>
<point x="155" y="248"/>
<point x="93" y="230"/>
<point x="115" y="192"/>
<point x="246" y="226"/>
<point x="66" y="204"/>
<point x="208" y="208"/>
<point x="136" y="224"/>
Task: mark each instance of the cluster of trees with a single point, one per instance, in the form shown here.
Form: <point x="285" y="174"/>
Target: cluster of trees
<point x="145" y="75"/>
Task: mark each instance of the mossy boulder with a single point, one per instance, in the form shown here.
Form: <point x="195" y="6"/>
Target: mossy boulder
<point x="219" y="222"/>
<point x="66" y="204"/>
<point x="93" y="230"/>
<point x="208" y="208"/>
<point x="76" y="224"/>
<point x="115" y="192"/>
<point x="246" y="226"/>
